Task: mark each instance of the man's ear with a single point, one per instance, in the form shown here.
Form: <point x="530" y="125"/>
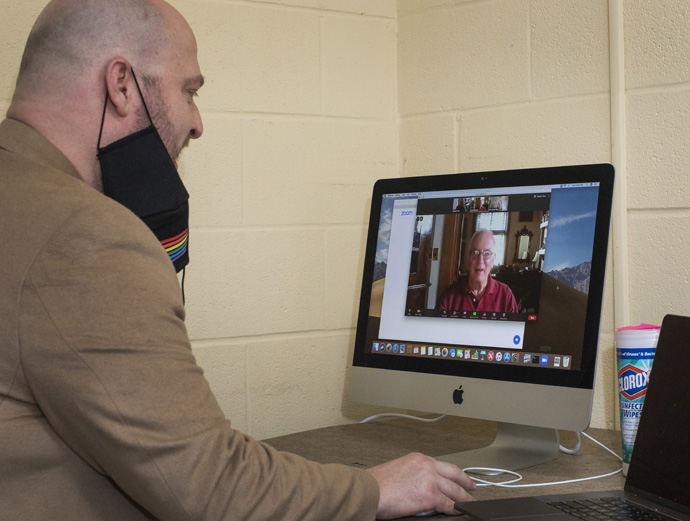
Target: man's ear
<point x="120" y="85"/>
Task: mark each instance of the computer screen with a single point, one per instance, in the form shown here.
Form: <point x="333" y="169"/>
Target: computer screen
<point x="481" y="297"/>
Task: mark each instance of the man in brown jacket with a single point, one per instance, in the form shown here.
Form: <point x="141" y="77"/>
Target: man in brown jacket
<point x="104" y="413"/>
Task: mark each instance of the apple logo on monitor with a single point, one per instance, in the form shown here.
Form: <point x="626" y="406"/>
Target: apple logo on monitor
<point x="457" y="395"/>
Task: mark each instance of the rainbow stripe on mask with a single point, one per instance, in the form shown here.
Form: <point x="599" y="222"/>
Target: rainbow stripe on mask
<point x="176" y="246"/>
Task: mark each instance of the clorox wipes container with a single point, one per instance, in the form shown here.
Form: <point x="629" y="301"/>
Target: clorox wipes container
<point x="635" y="349"/>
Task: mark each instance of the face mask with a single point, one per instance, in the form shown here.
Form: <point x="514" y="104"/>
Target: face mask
<point x="139" y="173"/>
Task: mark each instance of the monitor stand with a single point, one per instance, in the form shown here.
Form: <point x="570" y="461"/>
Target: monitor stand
<point x="515" y="447"/>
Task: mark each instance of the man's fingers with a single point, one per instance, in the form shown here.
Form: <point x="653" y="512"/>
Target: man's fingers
<point x="452" y="493"/>
<point x="454" y="473"/>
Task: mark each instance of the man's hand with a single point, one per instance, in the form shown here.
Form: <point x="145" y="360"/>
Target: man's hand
<point x="416" y="483"/>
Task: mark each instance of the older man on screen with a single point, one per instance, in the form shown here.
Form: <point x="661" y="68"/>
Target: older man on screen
<point x="478" y="291"/>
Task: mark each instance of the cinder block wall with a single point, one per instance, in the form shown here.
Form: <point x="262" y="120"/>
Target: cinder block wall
<point x="301" y="118"/>
<point x="499" y="84"/>
<point x="504" y="84"/>
<point x="307" y="102"/>
<point x="657" y="75"/>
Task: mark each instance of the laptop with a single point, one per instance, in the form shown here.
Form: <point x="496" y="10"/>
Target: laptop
<point x="658" y="480"/>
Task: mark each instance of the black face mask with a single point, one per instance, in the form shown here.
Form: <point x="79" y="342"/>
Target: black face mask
<point x="139" y="173"/>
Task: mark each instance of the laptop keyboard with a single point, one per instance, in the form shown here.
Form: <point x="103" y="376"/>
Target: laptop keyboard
<point x="607" y="508"/>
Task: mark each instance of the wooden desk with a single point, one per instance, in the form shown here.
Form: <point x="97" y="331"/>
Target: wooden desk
<point x="369" y="444"/>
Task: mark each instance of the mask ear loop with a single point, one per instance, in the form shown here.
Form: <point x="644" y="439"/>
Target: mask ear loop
<point x="100" y="131"/>
<point x="141" y="95"/>
<point x="184" y="272"/>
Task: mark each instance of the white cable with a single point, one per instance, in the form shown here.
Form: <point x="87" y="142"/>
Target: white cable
<point x="483" y="483"/>
<point x="509" y="484"/>
<point x="577" y="446"/>
<point x="603" y="446"/>
<point x="406" y="416"/>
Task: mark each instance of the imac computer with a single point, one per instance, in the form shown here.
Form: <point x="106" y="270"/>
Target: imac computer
<point x="481" y="297"/>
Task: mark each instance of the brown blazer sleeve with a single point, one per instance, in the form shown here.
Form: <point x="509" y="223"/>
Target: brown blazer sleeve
<point x="105" y="355"/>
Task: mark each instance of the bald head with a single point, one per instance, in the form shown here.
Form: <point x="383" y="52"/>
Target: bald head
<point x="76" y="85"/>
<point x="71" y="37"/>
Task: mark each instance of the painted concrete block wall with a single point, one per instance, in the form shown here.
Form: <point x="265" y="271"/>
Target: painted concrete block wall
<point x="301" y="118"/>
<point x="501" y="84"/>
<point x="657" y="77"/>
<point x="15" y="23"/>
<point x="307" y="102"/>
<point x="514" y="83"/>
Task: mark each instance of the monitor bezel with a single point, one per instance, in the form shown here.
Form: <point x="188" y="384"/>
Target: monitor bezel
<point x="576" y="378"/>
